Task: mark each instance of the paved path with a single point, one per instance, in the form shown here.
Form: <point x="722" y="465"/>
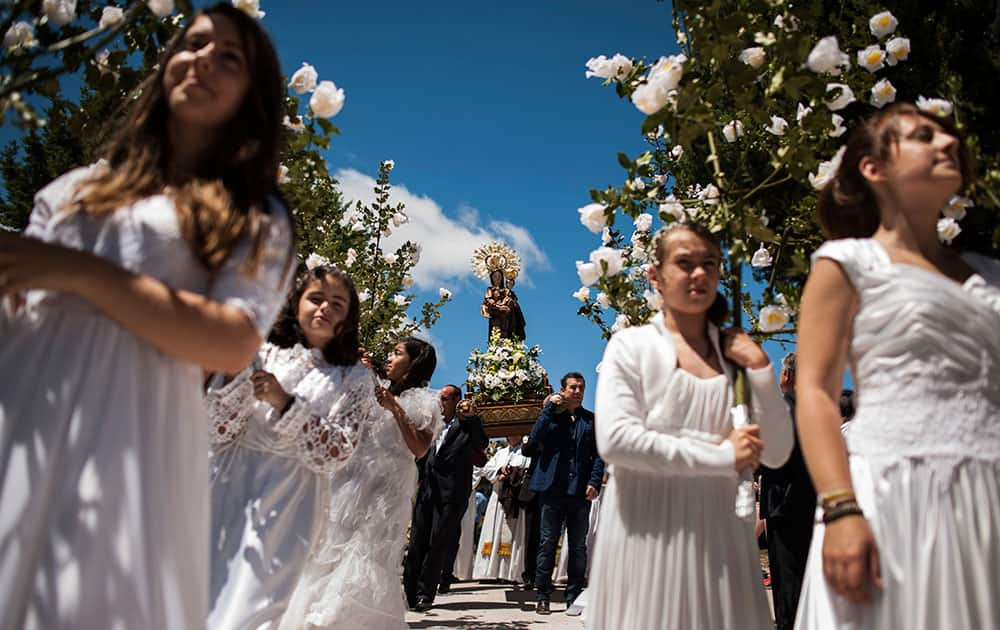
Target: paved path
<point x="484" y="606"/>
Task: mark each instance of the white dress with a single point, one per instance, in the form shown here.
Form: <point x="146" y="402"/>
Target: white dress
<point x="500" y="552"/>
<point x="352" y="581"/>
<point x="104" y="497"/>
<point x="670" y="551"/>
<point x="924" y="445"/>
<point x="271" y="478"/>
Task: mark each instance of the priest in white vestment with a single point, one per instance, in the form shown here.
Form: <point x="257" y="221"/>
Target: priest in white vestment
<point x="500" y="553"/>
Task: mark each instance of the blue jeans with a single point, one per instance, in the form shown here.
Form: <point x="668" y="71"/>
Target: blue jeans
<point x="556" y="511"/>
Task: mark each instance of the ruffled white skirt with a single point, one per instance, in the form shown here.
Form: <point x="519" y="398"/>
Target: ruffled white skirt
<point x="937" y="524"/>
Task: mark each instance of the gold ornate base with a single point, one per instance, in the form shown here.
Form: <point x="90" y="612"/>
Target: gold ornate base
<point x="504" y="418"/>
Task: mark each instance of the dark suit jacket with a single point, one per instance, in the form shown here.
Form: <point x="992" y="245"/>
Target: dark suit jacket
<point x="787" y="492"/>
<point x="550" y="438"/>
<point x="446" y="475"/>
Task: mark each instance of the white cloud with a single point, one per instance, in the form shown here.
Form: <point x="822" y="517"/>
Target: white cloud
<point x="447" y="242"/>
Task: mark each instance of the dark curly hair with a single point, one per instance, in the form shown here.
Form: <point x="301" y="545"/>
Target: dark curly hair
<point x="343" y="348"/>
<point x="847" y="207"/>
<point x="719" y="310"/>
<point x="423" y="360"/>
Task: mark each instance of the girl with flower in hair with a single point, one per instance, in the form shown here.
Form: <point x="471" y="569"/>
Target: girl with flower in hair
<point x="910" y="497"/>
<point x="135" y="276"/>
<point x="280" y="430"/>
<point x="352" y="580"/>
<point x="671" y="551"/>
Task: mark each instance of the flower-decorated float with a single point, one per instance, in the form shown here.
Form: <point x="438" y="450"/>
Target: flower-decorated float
<point x="506" y="380"/>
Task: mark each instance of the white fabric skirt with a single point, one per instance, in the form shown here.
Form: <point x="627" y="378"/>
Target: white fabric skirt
<point x="936" y="521"/>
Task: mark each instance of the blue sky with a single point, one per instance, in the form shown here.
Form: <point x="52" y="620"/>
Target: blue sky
<point x="485" y="109"/>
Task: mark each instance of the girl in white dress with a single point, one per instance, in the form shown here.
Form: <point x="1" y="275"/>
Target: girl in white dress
<point x="272" y="459"/>
<point x="911" y="502"/>
<point x="134" y="277"/>
<point x="671" y="551"/>
<point x="353" y="579"/>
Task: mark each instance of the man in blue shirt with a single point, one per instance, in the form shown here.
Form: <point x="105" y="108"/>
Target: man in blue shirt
<point x="567" y="478"/>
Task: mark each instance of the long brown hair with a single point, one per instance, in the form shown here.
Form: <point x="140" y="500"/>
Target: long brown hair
<point x="227" y="200"/>
<point x="847" y="207"/>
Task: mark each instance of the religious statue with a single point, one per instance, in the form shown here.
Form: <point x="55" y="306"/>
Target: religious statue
<point x="501" y="264"/>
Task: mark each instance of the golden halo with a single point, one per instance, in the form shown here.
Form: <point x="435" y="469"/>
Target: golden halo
<point x="496" y="256"/>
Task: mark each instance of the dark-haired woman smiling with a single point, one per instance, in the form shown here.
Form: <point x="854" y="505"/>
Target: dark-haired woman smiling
<point x="134" y="277"/>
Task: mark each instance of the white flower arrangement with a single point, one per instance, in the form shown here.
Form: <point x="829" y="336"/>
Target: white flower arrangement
<point x="507" y="371"/>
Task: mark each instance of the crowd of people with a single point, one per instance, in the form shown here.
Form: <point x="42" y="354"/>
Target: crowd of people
<point x="191" y="435"/>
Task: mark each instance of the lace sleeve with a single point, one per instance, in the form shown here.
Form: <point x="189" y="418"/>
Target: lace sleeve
<point x="423" y="408"/>
<point x="326" y="427"/>
<point x="229" y="407"/>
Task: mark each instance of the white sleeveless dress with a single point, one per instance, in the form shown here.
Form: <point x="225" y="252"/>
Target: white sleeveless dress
<point x="671" y="552"/>
<point x="924" y="445"/>
<point x="104" y="499"/>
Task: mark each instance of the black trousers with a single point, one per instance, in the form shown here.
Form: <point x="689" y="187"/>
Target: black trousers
<point x="434" y="529"/>
<point x="532" y="534"/>
<point x="788" y="542"/>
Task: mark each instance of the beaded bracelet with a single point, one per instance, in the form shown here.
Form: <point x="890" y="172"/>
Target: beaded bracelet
<point x="845" y="508"/>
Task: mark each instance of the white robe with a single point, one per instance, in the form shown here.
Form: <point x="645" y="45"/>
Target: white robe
<point x="462" y="568"/>
<point x="495" y="558"/>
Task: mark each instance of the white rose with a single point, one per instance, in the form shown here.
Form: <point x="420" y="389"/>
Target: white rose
<point x="883" y="93"/>
<point x="826" y="170"/>
<point x="102" y="61"/>
<point x="593" y="217"/>
<point x="826" y="57"/>
<point x="589" y="272"/>
<point x="872" y="58"/>
<point x="764" y="220"/>
<point x="357" y="226"/>
<point x="838" y="126"/>
<point x="389" y="164"/>
<point x="801" y="112"/>
<point x="732" y="131"/>
<point x="59" y="12"/>
<point x="304" y="79"/>
<point x="283" y="174"/>
<point x="653" y="299"/>
<point x="399" y="219"/>
<point x="363" y="295"/>
<point x="605" y="236"/>
<point x="898" y="49"/>
<point x="761" y="257"/>
<point x="250" y="7"/>
<point x="947" y="230"/>
<point x="327" y="100"/>
<point x="391" y="259"/>
<point x="882" y="24"/>
<point x="790" y="23"/>
<point x="845" y="98"/>
<point x="399" y="300"/>
<point x="673" y="208"/>
<point x="618" y="67"/>
<point x="352" y="256"/>
<point x="753" y="57"/>
<point x="936" y="106"/>
<point x="637" y="184"/>
<point x="444" y="293"/>
<point x="643" y="222"/>
<point x="111" y="17"/>
<point x="677" y="152"/>
<point x="709" y="195"/>
<point x="20" y="35"/>
<point x="315" y="260"/>
<point x="613" y="259"/>
<point x="773" y="318"/>
<point x="602" y="300"/>
<point x="161" y="8"/>
<point x="778" y="126"/>
<point x="956" y="207"/>
<point x="294" y="126"/>
<point x="661" y="82"/>
<point x="407" y="281"/>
